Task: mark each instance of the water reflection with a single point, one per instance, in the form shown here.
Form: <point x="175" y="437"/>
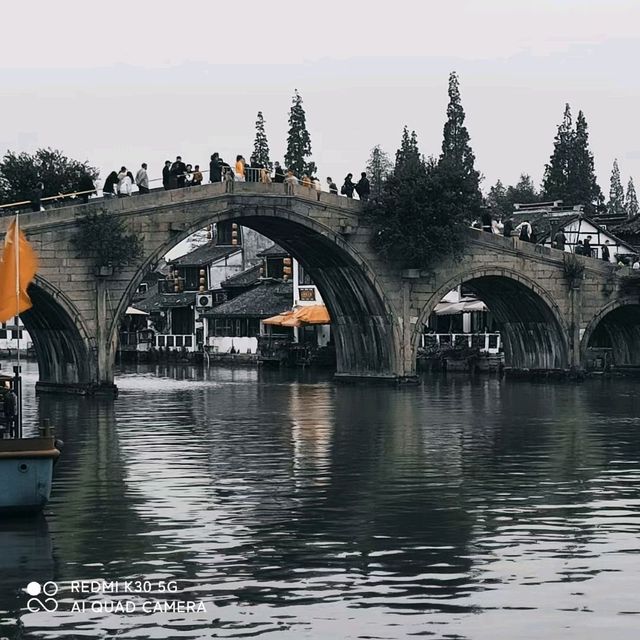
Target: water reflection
<point x="298" y="508"/>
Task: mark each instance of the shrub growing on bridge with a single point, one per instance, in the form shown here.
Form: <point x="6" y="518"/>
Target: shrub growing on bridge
<point x="104" y="237"/>
<point x="426" y="205"/>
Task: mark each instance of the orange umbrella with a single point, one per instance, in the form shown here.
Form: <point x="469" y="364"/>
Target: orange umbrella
<point x="313" y="314"/>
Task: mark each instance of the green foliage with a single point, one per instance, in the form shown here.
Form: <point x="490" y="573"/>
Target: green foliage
<point x="457" y="181"/>
<point x="631" y="201"/>
<point x="616" y="193"/>
<point x="298" y="140"/>
<point x="104" y="237"/>
<point x="261" y="145"/>
<point x="378" y="169"/>
<point x="426" y="206"/>
<point x="20" y="173"/>
<point x="570" y="174"/>
<point x="573" y="269"/>
<point x="501" y="200"/>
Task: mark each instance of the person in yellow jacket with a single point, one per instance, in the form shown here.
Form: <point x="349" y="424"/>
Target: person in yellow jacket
<point x="240" y="163"/>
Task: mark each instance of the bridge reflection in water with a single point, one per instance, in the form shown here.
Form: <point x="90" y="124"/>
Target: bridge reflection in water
<point x="297" y="508"/>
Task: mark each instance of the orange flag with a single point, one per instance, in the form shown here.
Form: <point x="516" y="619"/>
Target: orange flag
<point x="17" y="269"/>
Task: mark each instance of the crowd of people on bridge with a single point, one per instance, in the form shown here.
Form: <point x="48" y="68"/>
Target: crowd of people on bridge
<point x="178" y="175"/>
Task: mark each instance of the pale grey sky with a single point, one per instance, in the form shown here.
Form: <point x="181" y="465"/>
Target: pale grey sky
<point x="146" y="80"/>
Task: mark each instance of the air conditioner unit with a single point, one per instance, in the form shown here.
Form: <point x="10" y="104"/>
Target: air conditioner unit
<point x="204" y="300"/>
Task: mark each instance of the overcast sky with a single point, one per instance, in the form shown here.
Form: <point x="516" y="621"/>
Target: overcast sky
<point x="124" y="83"/>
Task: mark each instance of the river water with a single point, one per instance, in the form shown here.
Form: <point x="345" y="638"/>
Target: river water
<point x="289" y="507"/>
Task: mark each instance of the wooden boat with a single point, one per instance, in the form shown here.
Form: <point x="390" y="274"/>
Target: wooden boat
<point x="26" y="472"/>
<point x="26" y="464"/>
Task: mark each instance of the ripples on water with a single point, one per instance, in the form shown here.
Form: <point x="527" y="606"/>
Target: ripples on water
<point x="295" y="508"/>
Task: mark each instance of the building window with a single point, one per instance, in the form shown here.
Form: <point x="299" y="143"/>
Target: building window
<point x="303" y="276"/>
<point x="224" y="231"/>
<point x="275" y="268"/>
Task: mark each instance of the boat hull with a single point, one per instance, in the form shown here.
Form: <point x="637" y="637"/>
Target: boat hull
<point x="26" y="473"/>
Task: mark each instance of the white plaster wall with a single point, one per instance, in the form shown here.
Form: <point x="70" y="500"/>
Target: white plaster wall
<point x="223" y="344"/>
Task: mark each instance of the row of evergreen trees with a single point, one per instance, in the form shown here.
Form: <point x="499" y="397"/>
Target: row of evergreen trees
<point x="569" y="176"/>
<point x="298" y="141"/>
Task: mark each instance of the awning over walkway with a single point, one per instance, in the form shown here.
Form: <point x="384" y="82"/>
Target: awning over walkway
<point x="284" y="319"/>
<point x="132" y="311"/>
<point x="312" y="314"/>
<point x="464" y="306"/>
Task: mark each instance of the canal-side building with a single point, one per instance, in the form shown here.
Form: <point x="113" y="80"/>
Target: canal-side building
<point x="192" y="284"/>
<point x="548" y="218"/>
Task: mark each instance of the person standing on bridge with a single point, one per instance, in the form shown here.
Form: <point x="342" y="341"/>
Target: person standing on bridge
<point x="559" y="240"/>
<point x="348" y="186"/>
<point x="196" y="177"/>
<point x="178" y="173"/>
<point x="363" y="188"/>
<point x="333" y="187"/>
<point x="606" y="256"/>
<point x="36" y="197"/>
<point x="587" y="246"/>
<point x="524" y="231"/>
<point x="507" y="229"/>
<point x="142" y="179"/>
<point x="240" y="165"/>
<point x="110" y="185"/>
<point x="215" y="168"/>
<point x="166" y="175"/>
<point x="278" y="175"/>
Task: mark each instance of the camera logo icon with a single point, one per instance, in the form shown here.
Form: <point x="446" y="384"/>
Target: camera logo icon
<point x="42" y="597"/>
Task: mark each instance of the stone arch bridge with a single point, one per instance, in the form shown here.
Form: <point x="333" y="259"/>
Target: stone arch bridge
<point x="377" y="308"/>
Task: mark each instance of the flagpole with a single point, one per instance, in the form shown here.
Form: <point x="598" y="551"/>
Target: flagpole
<point x="16" y="240"/>
<point x="18" y="369"/>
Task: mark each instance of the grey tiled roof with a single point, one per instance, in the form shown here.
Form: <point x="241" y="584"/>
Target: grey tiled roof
<point x="204" y="255"/>
<point x="166" y="300"/>
<point x="243" y="279"/>
<point x="267" y="299"/>
<point x="274" y="251"/>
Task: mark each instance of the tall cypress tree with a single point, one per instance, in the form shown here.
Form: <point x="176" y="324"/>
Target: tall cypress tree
<point x="378" y="169"/>
<point x="261" y="145"/>
<point x="616" y="205"/>
<point x="298" y="140"/>
<point x="556" y="173"/>
<point x="456" y="179"/>
<point x="583" y="184"/>
<point x="631" y="201"/>
<point x="570" y="176"/>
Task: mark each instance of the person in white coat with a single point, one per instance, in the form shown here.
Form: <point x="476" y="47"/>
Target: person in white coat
<point x="125" y="183"/>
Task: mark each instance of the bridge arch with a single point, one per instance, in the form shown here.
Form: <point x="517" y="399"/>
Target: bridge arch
<point x="617" y="327"/>
<point x="534" y="334"/>
<point x="363" y="321"/>
<point x="63" y="349"/>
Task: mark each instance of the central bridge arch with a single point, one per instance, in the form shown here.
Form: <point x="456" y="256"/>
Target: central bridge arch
<point x="533" y="331"/>
<point x="363" y="319"/>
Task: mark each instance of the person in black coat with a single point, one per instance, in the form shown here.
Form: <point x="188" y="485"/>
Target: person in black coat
<point x="179" y="173"/>
<point x="215" y="168"/>
<point x="86" y="184"/>
<point x="363" y="188"/>
<point x="348" y="187"/>
<point x="278" y="175"/>
<point x="36" y="197"/>
<point x="109" y="186"/>
<point x="166" y="175"/>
